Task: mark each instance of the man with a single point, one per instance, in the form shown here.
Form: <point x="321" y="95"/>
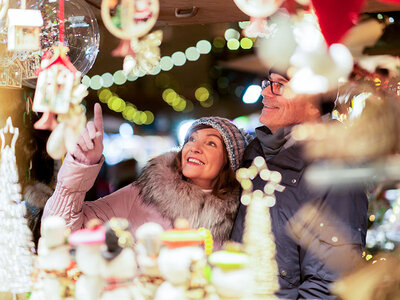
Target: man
<point x="319" y="234"/>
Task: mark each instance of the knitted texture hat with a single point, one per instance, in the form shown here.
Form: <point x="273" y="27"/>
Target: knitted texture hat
<point x="235" y="139"/>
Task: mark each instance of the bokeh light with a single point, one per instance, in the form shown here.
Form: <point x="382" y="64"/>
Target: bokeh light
<point x="192" y="54"/>
<point x="231" y="33"/>
<point x="233" y="44"/>
<point x="96" y="82"/>
<point x="201" y="94"/>
<point x="246" y="43"/>
<point x="166" y="63"/>
<point x="119" y="77"/>
<point x="178" y="58"/>
<point x="203" y="46"/>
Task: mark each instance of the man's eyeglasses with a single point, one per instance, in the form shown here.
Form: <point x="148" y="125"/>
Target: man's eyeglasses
<point x="276" y="87"/>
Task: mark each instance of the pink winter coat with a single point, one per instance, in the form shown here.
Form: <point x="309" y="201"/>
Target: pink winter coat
<point x="159" y="195"/>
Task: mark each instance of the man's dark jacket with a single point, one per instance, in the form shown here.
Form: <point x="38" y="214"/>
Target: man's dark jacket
<point x="313" y="245"/>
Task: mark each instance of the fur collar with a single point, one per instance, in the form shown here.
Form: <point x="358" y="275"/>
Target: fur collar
<point x="162" y="186"/>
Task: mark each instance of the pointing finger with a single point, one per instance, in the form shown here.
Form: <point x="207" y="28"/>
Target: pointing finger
<point x="98" y="118"/>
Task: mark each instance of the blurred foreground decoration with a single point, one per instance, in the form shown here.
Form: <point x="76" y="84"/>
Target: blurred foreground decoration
<point x="379" y="280"/>
<point x="366" y="146"/>
<point x="16" y="256"/>
<point x="296" y="46"/>
<point x="258" y="239"/>
<point x="258" y="12"/>
<point x="310" y="227"/>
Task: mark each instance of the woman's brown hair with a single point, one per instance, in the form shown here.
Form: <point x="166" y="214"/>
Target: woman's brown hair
<point x="226" y="181"/>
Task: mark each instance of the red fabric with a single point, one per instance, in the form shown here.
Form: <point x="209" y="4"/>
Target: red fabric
<point x="61" y="21"/>
<point x="336" y="17"/>
<point x="391" y="1"/>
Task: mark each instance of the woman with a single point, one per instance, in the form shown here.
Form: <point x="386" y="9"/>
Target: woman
<point x="197" y="183"/>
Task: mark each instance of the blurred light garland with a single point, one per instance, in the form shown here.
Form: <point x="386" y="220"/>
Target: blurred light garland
<point x="128" y="110"/>
<point x="177" y="59"/>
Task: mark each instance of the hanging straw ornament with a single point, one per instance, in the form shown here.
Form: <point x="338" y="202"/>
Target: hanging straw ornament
<point x="133" y="20"/>
<point x="146" y="54"/>
<point x="258" y="10"/>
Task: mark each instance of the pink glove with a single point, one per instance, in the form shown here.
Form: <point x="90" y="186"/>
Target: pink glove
<point x="89" y="149"/>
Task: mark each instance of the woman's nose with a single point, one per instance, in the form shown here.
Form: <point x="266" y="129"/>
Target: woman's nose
<point x="196" y="147"/>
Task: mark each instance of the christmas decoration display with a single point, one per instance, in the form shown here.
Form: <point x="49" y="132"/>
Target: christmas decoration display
<point x="366" y="144"/>
<point x="258" y="238"/>
<point x="53" y="261"/>
<point x="88" y="243"/>
<point x="366" y="282"/>
<point x="76" y="28"/>
<point x="134" y="19"/>
<point x="59" y="91"/>
<point x="16" y="257"/>
<point x="24" y="29"/>
<point x="119" y="262"/>
<point x="148" y="237"/>
<point x="182" y="264"/>
<point x="258" y="10"/>
<point x="231" y="276"/>
<point x="296" y="46"/>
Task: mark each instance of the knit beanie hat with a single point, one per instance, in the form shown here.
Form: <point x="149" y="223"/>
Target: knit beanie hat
<point x="235" y="139"/>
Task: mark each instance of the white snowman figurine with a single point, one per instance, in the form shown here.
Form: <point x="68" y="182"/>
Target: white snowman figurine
<point x="148" y="244"/>
<point x="53" y="257"/>
<point x="119" y="262"/>
<point x="230" y="276"/>
<point x="181" y="262"/>
<point x="88" y="242"/>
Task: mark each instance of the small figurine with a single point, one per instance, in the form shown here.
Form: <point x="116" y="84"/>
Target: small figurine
<point x="88" y="243"/>
<point x="182" y="264"/>
<point x="148" y="246"/>
<point x="119" y="262"/>
<point x="53" y="257"/>
<point x="231" y="277"/>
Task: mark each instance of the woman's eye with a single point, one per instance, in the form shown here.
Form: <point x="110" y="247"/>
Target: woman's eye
<point x="212" y="144"/>
<point x="191" y="139"/>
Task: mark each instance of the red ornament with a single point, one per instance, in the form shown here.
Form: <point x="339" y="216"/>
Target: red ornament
<point x="336" y="17"/>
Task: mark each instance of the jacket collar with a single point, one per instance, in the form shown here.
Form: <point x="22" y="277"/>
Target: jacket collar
<point x="290" y="155"/>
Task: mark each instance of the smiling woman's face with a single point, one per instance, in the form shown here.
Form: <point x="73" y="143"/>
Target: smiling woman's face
<point x="203" y="157"/>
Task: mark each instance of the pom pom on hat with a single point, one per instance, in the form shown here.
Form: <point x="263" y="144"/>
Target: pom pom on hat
<point x="235" y="139"/>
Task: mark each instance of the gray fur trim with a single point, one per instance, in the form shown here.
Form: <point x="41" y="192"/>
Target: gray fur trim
<point x="162" y="186"/>
<point x="37" y="194"/>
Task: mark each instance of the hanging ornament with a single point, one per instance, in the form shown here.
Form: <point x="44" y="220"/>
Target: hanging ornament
<point x="336" y="17"/>
<point x="59" y="92"/>
<point x="24" y="29"/>
<point x="258" y="10"/>
<point x="77" y="27"/>
<point x="146" y="54"/>
<point x="132" y="20"/>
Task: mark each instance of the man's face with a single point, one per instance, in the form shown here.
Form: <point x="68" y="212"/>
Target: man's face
<point x="279" y="111"/>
